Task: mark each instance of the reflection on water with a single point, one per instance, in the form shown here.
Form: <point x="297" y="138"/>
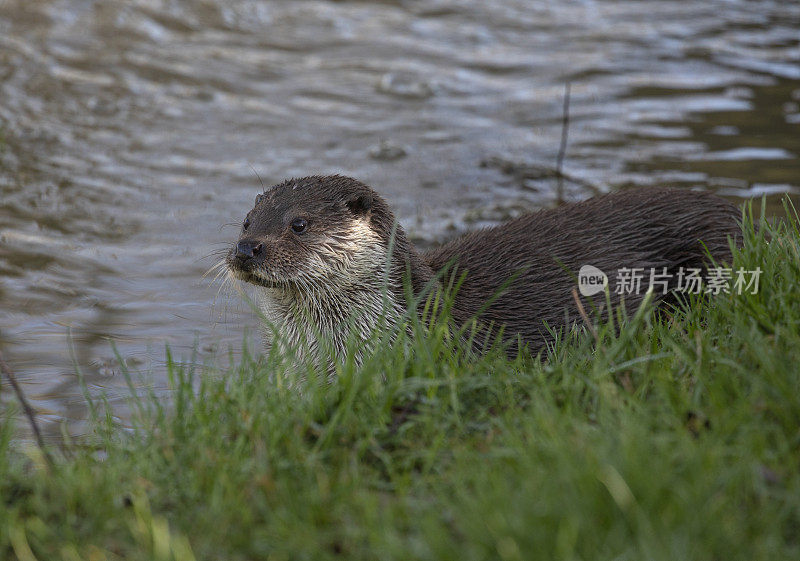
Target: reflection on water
<point x="132" y="134"/>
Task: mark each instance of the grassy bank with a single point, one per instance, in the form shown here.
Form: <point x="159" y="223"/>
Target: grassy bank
<point x="669" y="439"/>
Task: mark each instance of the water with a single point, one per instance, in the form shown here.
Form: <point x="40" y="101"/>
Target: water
<point x="134" y="136"/>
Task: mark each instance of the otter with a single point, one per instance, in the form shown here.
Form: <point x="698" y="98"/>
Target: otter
<point x="328" y="257"/>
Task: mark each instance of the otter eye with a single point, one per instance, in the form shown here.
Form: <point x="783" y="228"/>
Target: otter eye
<point x="246" y="223"/>
<point x="299" y="225"/>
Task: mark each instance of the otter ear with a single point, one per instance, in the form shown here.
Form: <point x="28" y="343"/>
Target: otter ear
<point x="360" y="205"/>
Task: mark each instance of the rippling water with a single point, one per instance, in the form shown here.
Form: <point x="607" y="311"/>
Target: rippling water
<point x="134" y="135"/>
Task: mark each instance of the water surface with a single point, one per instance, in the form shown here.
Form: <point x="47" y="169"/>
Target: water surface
<point x="133" y="135"/>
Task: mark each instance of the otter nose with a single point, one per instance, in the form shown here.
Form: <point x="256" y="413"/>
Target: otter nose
<point x="246" y="250"/>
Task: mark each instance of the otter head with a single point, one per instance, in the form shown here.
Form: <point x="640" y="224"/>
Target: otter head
<point x="320" y="251"/>
<point x="312" y="234"/>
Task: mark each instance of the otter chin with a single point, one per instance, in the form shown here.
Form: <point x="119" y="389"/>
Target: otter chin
<point x="329" y="261"/>
<point x="252" y="278"/>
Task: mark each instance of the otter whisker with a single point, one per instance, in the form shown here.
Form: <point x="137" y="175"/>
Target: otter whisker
<point x="218" y="267"/>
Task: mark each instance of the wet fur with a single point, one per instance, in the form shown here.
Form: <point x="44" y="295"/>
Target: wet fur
<point x="321" y="311"/>
<point x="318" y="289"/>
<point x="643" y="228"/>
<point x="321" y="287"/>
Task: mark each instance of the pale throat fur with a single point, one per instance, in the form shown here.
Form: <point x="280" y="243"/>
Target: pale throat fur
<point x="342" y="291"/>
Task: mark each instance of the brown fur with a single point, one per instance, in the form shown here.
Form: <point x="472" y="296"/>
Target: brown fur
<point x="542" y="251"/>
<point x="643" y="228"/>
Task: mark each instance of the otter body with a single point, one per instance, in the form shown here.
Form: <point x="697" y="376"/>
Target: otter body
<point x="328" y="257"/>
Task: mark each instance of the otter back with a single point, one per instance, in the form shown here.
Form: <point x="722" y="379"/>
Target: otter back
<point x="543" y="252"/>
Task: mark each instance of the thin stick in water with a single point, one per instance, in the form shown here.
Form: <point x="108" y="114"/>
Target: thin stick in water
<point x="562" y="150"/>
<point x="27" y="408"/>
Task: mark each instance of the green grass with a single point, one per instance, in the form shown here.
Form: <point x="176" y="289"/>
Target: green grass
<point x="672" y="438"/>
